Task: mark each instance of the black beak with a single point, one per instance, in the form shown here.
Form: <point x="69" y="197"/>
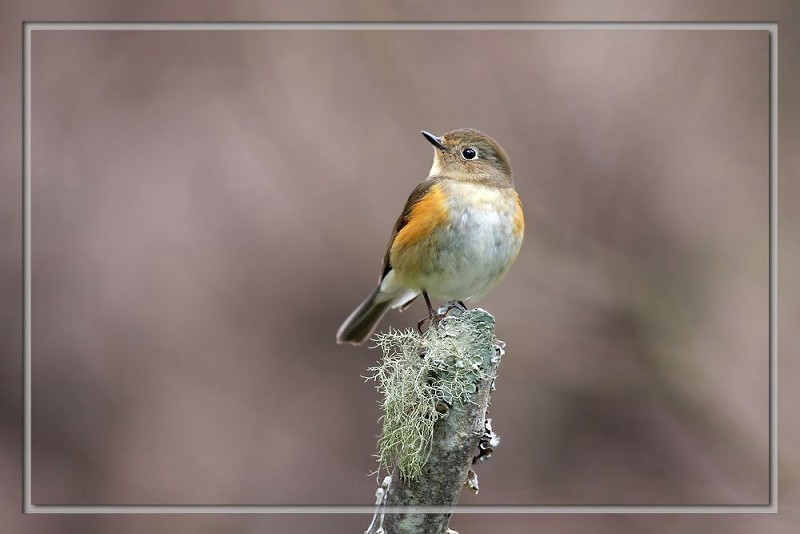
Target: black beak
<point x="435" y="141"/>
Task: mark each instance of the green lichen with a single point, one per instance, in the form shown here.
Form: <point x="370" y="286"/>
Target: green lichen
<point x="421" y="376"/>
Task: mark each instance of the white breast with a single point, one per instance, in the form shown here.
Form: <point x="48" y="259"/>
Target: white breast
<point x="481" y="246"/>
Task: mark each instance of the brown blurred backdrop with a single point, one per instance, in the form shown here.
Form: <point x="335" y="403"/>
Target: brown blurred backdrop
<point x="208" y="207"/>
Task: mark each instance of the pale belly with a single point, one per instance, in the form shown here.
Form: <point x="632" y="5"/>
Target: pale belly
<point x="472" y="252"/>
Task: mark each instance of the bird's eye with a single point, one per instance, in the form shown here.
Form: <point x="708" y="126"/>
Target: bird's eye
<point x="469" y="153"/>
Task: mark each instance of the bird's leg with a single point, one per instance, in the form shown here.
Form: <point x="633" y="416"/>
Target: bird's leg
<point x="432" y="315"/>
<point x="431" y="311"/>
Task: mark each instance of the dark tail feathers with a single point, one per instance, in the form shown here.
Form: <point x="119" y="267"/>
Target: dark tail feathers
<point x="362" y="322"/>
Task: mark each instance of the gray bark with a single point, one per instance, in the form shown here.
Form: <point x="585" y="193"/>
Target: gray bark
<point x="460" y="437"/>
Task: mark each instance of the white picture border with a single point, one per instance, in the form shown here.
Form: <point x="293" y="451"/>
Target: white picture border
<point x="772" y="28"/>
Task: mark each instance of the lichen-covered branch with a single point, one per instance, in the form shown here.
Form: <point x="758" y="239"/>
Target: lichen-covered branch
<point x="436" y="390"/>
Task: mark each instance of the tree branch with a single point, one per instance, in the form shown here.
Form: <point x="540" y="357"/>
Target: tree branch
<point x="436" y="392"/>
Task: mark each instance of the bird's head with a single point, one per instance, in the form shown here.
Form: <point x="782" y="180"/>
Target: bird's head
<point x="470" y="155"/>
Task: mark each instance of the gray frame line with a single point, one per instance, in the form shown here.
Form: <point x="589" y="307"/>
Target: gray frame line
<point x="402" y="26"/>
<point x="770" y="27"/>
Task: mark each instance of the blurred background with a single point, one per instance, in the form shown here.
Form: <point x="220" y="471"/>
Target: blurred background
<point x="209" y="206"/>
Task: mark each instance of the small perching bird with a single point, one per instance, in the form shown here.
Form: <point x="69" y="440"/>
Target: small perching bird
<point x="459" y="233"/>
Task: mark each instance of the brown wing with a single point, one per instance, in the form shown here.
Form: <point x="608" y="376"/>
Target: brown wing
<point x="417" y="194"/>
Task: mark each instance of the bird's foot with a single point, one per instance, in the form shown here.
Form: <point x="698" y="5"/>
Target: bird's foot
<point x="436" y="317"/>
<point x="452" y="305"/>
<point x="422" y="322"/>
<point x="434" y="320"/>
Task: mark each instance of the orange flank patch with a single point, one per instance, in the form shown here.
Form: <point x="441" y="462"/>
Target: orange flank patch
<point x="427" y="213"/>
<point x="519" y="218"/>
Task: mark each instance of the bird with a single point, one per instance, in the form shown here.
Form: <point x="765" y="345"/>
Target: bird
<point x="456" y="238"/>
